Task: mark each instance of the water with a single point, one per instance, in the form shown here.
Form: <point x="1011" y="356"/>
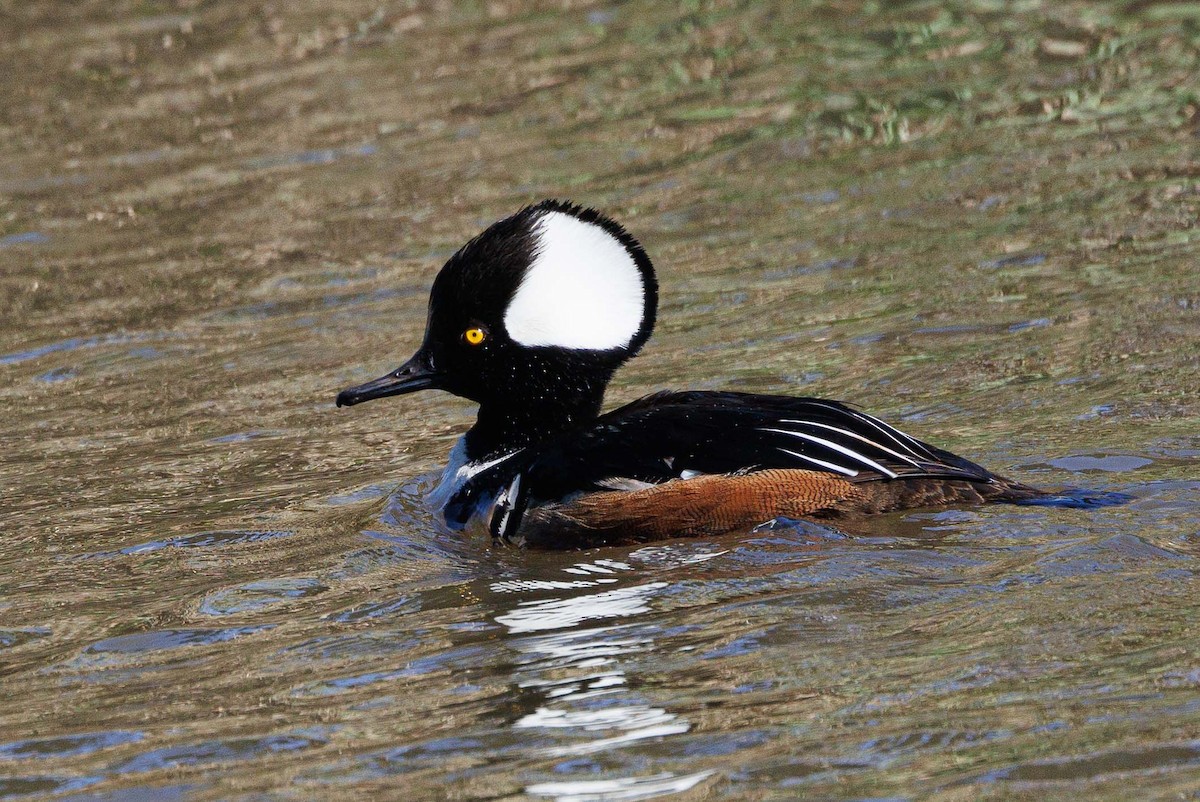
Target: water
<point x="975" y="219"/>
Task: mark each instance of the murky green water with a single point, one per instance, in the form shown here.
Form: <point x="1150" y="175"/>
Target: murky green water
<point x="976" y="219"/>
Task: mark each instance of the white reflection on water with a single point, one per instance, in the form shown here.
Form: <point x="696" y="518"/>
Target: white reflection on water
<point x="624" y="739"/>
<point x="560" y="613"/>
<point x="582" y="569"/>
<point x="623" y="790"/>
<point x="570" y="668"/>
<point x="637" y="721"/>
<point x="599" y="567"/>
<point x="518" y="585"/>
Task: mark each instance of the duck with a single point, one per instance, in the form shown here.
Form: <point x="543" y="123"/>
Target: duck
<point x="532" y="318"/>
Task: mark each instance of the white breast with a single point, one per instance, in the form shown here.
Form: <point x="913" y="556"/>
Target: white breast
<point x="459" y="470"/>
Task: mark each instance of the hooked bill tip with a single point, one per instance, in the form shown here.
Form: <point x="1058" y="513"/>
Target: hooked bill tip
<point x="412" y="376"/>
<point x="345" y="398"/>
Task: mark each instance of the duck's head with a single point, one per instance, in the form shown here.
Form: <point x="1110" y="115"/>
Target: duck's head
<point x="538" y="310"/>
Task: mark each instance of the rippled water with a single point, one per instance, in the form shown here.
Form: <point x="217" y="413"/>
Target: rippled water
<point x="976" y="219"/>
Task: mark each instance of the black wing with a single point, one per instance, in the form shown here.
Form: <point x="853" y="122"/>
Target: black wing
<point x="672" y="435"/>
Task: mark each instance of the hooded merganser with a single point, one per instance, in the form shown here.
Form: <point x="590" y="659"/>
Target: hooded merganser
<point x="531" y="318"/>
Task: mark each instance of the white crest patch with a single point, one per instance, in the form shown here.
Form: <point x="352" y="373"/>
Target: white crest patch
<point x="583" y="290"/>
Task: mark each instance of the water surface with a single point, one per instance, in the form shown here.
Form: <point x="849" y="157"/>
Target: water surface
<point x="975" y="219"/>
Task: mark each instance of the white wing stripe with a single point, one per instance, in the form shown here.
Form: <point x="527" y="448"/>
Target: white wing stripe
<point x="854" y="455"/>
<point x="906" y="441"/>
<point x="856" y="436"/>
<point x="913" y="445"/>
<point x="829" y="465"/>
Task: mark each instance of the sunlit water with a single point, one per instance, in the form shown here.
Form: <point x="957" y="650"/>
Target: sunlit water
<point x="976" y="219"/>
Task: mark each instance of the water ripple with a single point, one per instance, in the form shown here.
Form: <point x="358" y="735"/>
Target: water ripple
<point x="627" y="789"/>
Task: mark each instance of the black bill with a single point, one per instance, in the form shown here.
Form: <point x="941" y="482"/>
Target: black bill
<point x="415" y="374"/>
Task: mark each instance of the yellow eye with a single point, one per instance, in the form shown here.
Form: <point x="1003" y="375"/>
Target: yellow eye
<point x="473" y="336"/>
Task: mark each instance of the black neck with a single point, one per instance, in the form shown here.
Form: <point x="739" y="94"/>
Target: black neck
<point x="500" y="429"/>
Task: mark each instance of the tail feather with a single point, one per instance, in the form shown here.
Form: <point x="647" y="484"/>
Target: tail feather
<point x="1075" y="499"/>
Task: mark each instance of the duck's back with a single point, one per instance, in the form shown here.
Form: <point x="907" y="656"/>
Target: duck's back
<point x="705" y="463"/>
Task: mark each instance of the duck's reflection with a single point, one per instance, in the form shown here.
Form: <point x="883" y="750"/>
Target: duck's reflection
<point x="561" y="613"/>
<point x="584" y="701"/>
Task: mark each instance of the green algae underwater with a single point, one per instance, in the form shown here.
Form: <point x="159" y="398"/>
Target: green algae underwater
<point x="974" y="219"/>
